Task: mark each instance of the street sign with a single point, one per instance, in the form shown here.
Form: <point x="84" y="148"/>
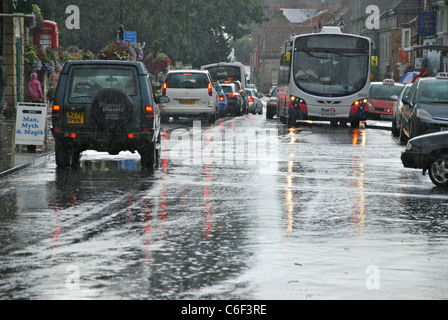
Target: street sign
<point x="31" y="124"/>
<point x="21" y="6"/>
<point x="130" y="36"/>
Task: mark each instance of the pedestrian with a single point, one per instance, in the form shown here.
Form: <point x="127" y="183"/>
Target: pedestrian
<point x="35" y="88"/>
<point x="2" y="83"/>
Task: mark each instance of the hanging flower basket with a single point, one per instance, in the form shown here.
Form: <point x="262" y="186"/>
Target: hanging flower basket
<point x="122" y="50"/>
<point x="157" y="64"/>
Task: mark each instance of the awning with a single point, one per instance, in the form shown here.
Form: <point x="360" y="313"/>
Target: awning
<point x="436" y="47"/>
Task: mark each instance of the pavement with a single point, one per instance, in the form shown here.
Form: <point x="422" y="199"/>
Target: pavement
<point x="14" y="158"/>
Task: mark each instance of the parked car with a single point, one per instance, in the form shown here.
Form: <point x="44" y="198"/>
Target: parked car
<point x="429" y="152"/>
<point x="105" y="106"/>
<point x="381" y="101"/>
<point x="425" y="109"/>
<point x="255" y="103"/>
<point x="271" y="105"/>
<point x="222" y="100"/>
<point x="234" y="99"/>
<point x="397" y="109"/>
<point x="191" y="94"/>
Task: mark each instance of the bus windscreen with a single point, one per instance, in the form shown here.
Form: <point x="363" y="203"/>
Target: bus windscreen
<point x="331" y="65"/>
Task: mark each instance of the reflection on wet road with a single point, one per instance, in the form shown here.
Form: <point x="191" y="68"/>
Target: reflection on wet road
<point x="332" y="214"/>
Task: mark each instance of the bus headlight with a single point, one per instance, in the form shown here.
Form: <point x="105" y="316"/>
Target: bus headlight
<point x="296" y="101"/>
<point x="361" y="104"/>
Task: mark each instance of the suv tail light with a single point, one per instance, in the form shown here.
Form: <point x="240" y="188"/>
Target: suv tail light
<point x="251" y="99"/>
<point x="56" y="114"/>
<point x="149" y="113"/>
<point x="164" y="89"/>
<point x="232" y="95"/>
<point x="210" y="90"/>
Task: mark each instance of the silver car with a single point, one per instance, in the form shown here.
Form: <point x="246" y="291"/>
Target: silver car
<point x="255" y="103"/>
<point x="398" y="106"/>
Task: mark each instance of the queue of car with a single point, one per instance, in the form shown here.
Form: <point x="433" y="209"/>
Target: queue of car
<point x="418" y="112"/>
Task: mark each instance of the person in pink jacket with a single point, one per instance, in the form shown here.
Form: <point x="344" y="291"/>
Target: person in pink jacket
<point x="35" y="88"/>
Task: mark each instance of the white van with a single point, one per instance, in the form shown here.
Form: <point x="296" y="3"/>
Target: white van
<point x="191" y="94"/>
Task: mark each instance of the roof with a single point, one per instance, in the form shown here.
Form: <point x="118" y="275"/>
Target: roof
<point x="299" y="15"/>
<point x="140" y="66"/>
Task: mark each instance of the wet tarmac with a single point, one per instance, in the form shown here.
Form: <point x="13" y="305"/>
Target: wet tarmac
<point x="244" y="209"/>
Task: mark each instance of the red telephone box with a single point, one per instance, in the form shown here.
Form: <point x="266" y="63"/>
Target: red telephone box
<point x="48" y="37"/>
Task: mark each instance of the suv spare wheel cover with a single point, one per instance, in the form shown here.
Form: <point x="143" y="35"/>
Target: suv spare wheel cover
<point x="112" y="109"/>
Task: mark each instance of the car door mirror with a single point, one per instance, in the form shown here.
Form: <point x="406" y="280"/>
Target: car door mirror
<point x="407" y="101"/>
<point x="163" y="99"/>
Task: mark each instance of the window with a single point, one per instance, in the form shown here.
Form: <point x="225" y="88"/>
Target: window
<point x="406" y="38"/>
<point x="86" y="83"/>
<point x="187" y="80"/>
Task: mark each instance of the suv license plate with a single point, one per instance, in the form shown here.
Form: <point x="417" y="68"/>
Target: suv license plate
<point x="183" y="101"/>
<point x="75" y="117"/>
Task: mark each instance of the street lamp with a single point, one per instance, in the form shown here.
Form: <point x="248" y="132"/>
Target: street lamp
<point x="121" y="29"/>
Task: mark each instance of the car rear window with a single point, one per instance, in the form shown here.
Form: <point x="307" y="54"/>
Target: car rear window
<point x="227" y="89"/>
<point x="187" y="80"/>
<point x="384" y="92"/>
<point x="86" y="83"/>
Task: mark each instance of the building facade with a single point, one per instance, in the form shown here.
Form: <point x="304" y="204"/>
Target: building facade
<point x="12" y="28"/>
<point x="396" y="26"/>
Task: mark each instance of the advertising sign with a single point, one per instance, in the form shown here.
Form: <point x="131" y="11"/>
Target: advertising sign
<point x="31" y="125"/>
<point x="403" y="56"/>
<point x="427" y="22"/>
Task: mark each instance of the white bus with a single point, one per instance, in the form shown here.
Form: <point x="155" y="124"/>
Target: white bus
<point x="325" y="76"/>
<point x="227" y="72"/>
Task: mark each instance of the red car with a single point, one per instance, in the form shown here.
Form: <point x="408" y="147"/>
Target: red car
<point x="381" y="99"/>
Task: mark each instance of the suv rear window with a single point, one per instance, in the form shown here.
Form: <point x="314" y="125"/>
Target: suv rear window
<point x="227" y="89"/>
<point x="86" y="83"/>
<point x="187" y="80"/>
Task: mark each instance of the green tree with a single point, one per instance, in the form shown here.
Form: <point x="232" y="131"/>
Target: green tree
<point x="192" y="31"/>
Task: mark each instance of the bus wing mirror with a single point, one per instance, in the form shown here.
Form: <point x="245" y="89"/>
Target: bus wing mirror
<point x="374" y="61"/>
<point x="287" y="57"/>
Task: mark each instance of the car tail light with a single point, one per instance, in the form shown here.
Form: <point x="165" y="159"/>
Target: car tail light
<point x="232" y="95"/>
<point x="56" y="112"/>
<point x="149" y="113"/>
<point x="210" y="90"/>
<point x="251" y="99"/>
<point x="222" y="98"/>
<point x="164" y="89"/>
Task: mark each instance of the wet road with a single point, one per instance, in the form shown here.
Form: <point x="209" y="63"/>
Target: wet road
<point x="332" y="214"/>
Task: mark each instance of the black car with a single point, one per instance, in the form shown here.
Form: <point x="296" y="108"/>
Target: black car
<point x="425" y="109"/>
<point x="235" y="101"/>
<point x="429" y="152"/>
<point x="105" y="106"/>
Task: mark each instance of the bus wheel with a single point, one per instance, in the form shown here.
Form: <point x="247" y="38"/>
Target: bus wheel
<point x="354" y="124"/>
